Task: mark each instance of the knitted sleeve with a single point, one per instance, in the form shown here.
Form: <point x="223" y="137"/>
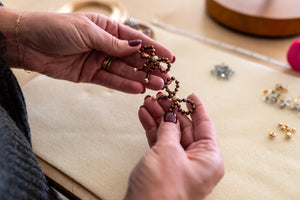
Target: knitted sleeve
<point x="20" y="175"/>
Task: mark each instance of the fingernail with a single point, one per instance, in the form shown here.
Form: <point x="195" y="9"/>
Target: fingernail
<point x="134" y="43"/>
<point x="170" y="117"/>
<point x="142" y="106"/>
<point x="147" y="96"/>
<point x="174" y="58"/>
<point x="144" y="90"/>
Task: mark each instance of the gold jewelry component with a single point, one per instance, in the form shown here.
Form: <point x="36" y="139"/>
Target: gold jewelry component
<point x="272" y="134"/>
<point x="152" y="62"/>
<point x="107" y="62"/>
<point x="289" y="132"/>
<point x="288" y="135"/>
<point x="281" y="88"/>
<point x="175" y="99"/>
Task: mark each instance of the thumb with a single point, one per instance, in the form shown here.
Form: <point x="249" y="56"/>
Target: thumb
<point x="169" y="129"/>
<point x="113" y="46"/>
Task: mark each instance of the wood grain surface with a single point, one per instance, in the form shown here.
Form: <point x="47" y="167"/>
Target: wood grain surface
<point x="269" y="18"/>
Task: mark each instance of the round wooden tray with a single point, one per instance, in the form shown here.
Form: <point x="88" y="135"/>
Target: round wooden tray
<point x="268" y="18"/>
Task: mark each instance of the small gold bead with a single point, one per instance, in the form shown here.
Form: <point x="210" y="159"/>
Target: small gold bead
<point x="154" y="98"/>
<point x="288" y="135"/>
<point x="135" y="69"/>
<point x="292" y="130"/>
<point x="146" y="80"/>
<point x="266" y="92"/>
<point x="280" y="124"/>
<point x="175" y="98"/>
<point x="272" y="134"/>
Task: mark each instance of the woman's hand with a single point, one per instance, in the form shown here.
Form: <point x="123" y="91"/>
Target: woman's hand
<point x="74" y="46"/>
<point x="184" y="161"/>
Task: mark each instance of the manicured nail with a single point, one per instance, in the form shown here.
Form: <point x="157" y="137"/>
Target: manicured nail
<point x="134" y="43"/>
<point x="147" y="96"/>
<point x="142" y="106"/>
<point x="144" y="90"/>
<point x="174" y="58"/>
<point x="170" y="117"/>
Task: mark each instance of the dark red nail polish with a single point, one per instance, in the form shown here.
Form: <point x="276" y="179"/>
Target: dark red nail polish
<point x="174" y="58"/>
<point x="134" y="43"/>
<point x="144" y="90"/>
<point x="142" y="106"/>
<point x="170" y="117"/>
<point x="147" y="97"/>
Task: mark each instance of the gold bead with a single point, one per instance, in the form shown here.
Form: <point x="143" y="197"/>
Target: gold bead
<point x="288" y="135"/>
<point x="266" y="92"/>
<point x="154" y="98"/>
<point x="272" y="134"/>
<point x="280" y="124"/>
<point x="292" y="130"/>
<point x="175" y="98"/>
<point x="146" y="80"/>
<point x="135" y="69"/>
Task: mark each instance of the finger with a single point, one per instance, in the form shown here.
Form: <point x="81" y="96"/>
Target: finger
<point x="203" y="125"/>
<point x="124" y="70"/>
<point x="116" y="82"/>
<point x="128" y="33"/>
<point x="124" y="32"/>
<point x="148" y="124"/>
<point x="94" y="62"/>
<point x="186" y="125"/>
<point x="105" y="42"/>
<point x="169" y="130"/>
<point x="136" y="61"/>
<point x="155" y="110"/>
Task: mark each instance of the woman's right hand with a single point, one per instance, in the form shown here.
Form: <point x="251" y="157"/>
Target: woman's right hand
<point x="184" y="161"/>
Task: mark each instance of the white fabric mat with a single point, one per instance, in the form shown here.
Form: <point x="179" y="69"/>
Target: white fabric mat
<point x="93" y="134"/>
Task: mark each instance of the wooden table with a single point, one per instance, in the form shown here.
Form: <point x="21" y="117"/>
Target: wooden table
<point x="188" y="15"/>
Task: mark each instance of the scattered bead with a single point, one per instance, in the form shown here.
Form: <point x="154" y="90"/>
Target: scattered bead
<point x="288" y="135"/>
<point x="222" y="71"/>
<point x="272" y="134"/>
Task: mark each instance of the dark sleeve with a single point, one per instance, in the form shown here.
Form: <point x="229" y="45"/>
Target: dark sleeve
<point x="20" y="175"/>
<point x="1" y="3"/>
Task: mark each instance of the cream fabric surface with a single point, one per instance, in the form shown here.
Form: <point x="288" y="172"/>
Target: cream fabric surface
<point x="93" y="134"/>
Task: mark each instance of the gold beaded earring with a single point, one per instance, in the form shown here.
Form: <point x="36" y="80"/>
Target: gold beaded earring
<point x="153" y="61"/>
<point x="175" y="99"/>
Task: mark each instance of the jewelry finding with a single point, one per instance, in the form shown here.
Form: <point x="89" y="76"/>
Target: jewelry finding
<point x="107" y="62"/>
<point x="153" y="61"/>
<point x="289" y="132"/>
<point x="222" y="71"/>
<point x="176" y="101"/>
<point x="276" y="96"/>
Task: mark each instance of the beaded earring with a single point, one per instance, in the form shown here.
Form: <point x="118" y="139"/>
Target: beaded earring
<point x="153" y="61"/>
<point x="175" y="99"/>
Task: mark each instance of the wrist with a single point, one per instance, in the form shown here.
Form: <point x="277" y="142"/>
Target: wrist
<point x="8" y="43"/>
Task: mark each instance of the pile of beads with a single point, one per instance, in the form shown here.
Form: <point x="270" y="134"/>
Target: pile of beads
<point x="152" y="62"/>
<point x="289" y="132"/>
<point x="275" y="96"/>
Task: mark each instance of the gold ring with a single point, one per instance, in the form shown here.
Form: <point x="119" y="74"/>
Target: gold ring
<point x="107" y="62"/>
